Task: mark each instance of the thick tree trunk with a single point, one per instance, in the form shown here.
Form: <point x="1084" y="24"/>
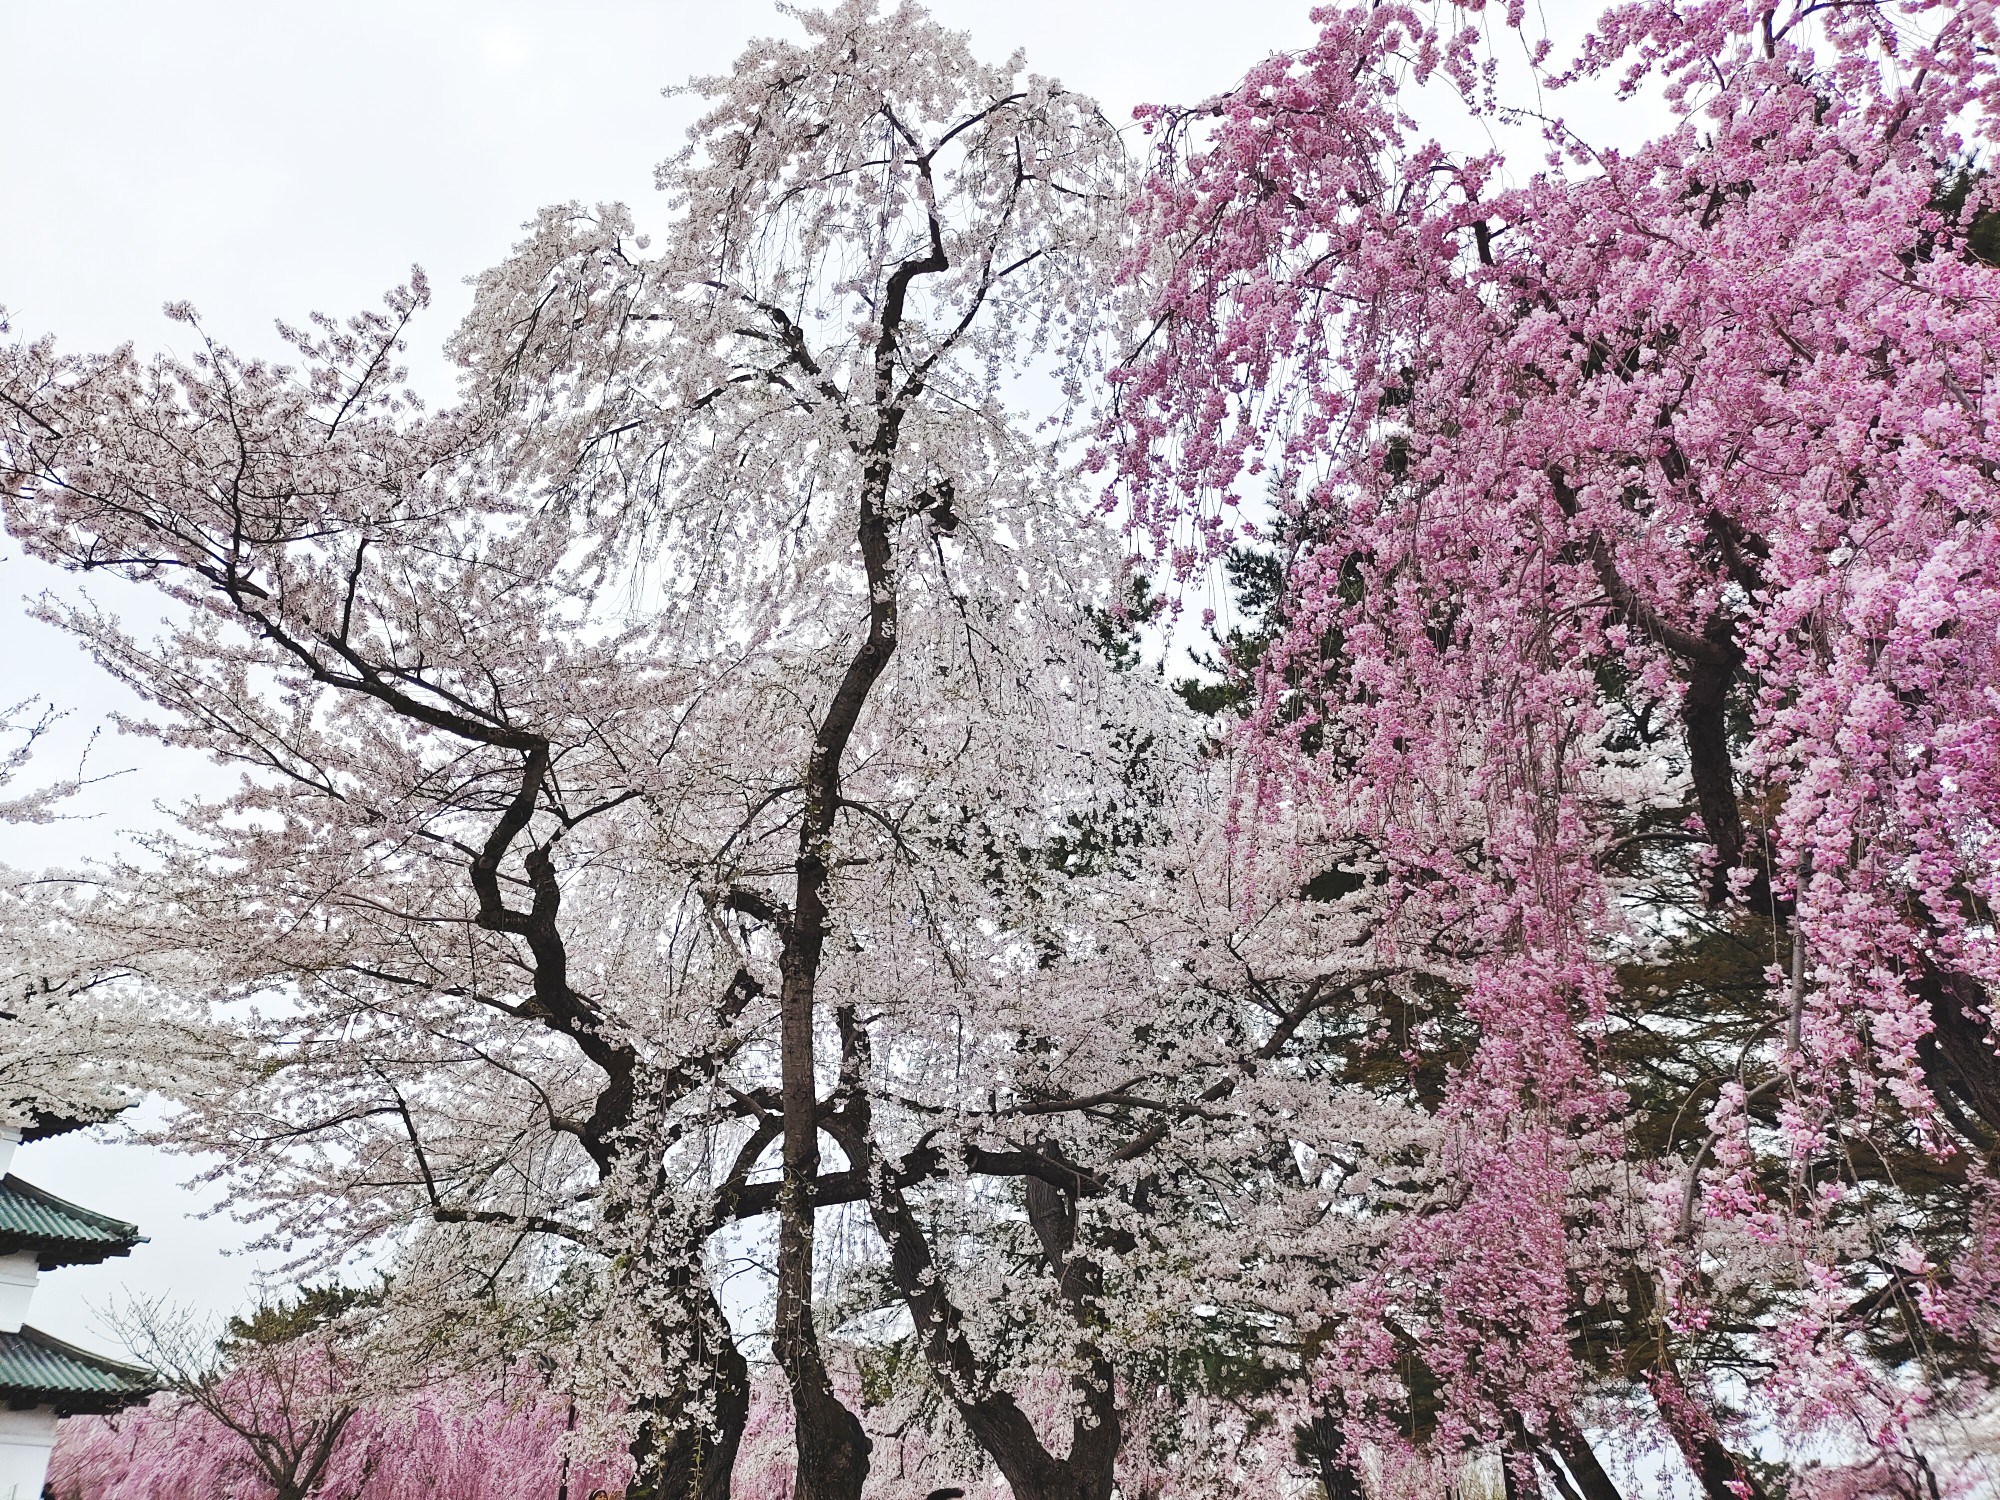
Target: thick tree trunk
<point x="1032" y="1472"/>
<point x="1705" y="717"/>
<point x="1096" y="1436"/>
<point x="1089" y="1470"/>
<point x="1060" y="1483"/>
<point x="1720" y="1473"/>
<point x="1324" y="1442"/>
<point x="832" y="1447"/>
<point x="674" y="1458"/>
<point x="1581" y="1461"/>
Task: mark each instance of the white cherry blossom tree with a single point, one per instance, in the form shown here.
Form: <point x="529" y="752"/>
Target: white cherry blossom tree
<point x="581" y="723"/>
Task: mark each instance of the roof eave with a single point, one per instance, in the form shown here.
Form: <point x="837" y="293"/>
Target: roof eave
<point x="73" y="1403"/>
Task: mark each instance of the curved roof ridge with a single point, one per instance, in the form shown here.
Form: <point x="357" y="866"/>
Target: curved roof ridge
<point x="47" y="1371"/>
<point x="60" y="1232"/>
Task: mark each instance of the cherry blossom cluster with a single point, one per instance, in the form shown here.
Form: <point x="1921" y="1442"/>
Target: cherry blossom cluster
<point x="1637" y="512"/>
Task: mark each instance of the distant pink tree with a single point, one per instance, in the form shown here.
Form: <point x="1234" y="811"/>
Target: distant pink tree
<point x="447" y="1443"/>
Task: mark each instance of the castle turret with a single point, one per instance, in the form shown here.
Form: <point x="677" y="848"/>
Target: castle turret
<point x="42" y="1378"/>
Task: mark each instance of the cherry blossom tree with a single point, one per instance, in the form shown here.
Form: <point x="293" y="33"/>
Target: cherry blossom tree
<point x="872" y="232"/>
<point x="1634" y="508"/>
<point x="71" y="1024"/>
<point x="582" y="723"/>
<point x="697" y="784"/>
<point x="283" y="1416"/>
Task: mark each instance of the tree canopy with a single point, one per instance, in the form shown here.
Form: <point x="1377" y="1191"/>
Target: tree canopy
<point x="729" y="800"/>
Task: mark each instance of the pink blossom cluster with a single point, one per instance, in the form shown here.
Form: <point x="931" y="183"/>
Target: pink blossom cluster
<point x="449" y="1442"/>
<point x="1695" y="433"/>
<point x="461" y="1440"/>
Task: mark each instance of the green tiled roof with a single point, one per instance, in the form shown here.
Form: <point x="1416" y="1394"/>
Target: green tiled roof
<point x="60" y="1233"/>
<point x="38" y="1370"/>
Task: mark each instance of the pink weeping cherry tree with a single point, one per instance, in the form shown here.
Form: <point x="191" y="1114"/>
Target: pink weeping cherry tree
<point x="443" y="1444"/>
<point x="289" y="1404"/>
<point x="1634" y="494"/>
<point x="295" y="1430"/>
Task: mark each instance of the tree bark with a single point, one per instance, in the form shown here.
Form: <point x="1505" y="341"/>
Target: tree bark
<point x="676" y="1458"/>
<point x="1324" y="1442"/>
<point x="1705" y="720"/>
<point x="832" y="1448"/>
<point x="1581" y="1460"/>
<point x="1720" y="1473"/>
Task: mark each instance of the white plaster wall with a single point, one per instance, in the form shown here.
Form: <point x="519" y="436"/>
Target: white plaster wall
<point x="25" y="1440"/>
<point x="25" y="1436"/>
<point x="18" y="1273"/>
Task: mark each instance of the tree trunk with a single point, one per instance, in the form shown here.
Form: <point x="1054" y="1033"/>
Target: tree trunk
<point x="1060" y="1482"/>
<point x="832" y="1447"/>
<point x="1581" y="1461"/>
<point x="1705" y="716"/>
<point x="676" y="1459"/>
<point x="1958" y="1055"/>
<point x="1720" y="1473"/>
<point x="1089" y="1470"/>
<point x="1323" y="1441"/>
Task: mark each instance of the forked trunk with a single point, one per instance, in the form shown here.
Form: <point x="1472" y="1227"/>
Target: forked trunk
<point x="1055" y="1479"/>
<point x="1033" y="1473"/>
<point x="994" y="1418"/>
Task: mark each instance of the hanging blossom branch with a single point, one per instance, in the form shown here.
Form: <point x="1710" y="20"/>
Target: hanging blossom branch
<point x="1689" y="437"/>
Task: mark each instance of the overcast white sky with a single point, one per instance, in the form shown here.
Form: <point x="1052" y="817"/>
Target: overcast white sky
<point x="266" y="158"/>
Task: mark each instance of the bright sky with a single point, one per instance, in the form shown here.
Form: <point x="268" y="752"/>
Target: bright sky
<point x="265" y="158"/>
